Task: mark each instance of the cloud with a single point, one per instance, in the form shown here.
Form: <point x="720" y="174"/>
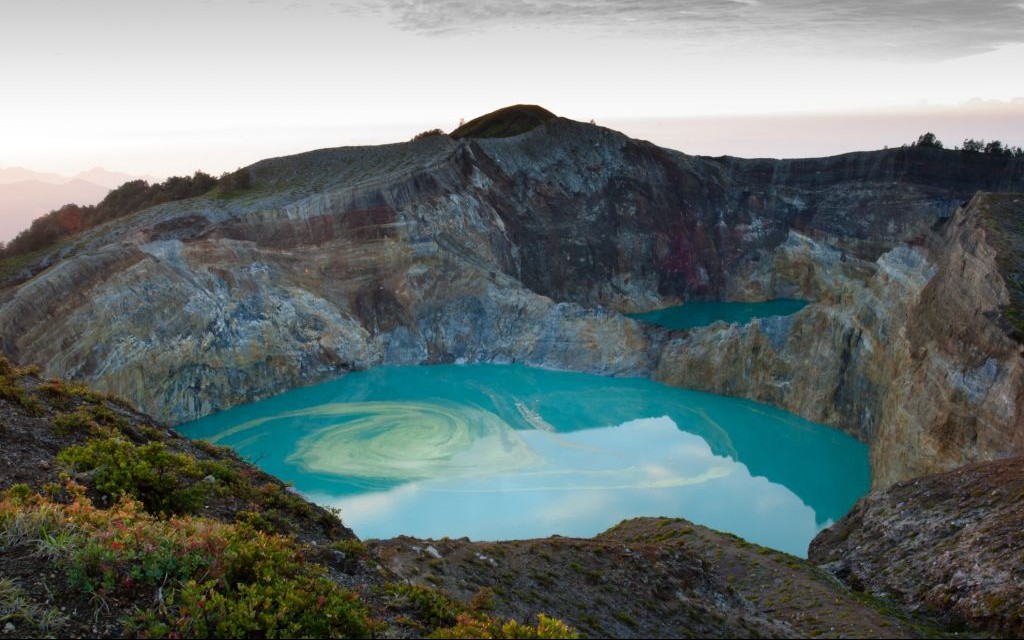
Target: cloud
<point x="920" y="29"/>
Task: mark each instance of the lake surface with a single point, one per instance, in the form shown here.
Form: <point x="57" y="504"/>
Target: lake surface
<point x="498" y="452"/>
<point x="699" y="314"/>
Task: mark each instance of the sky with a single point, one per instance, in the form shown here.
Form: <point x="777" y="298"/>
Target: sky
<point x="168" y="88"/>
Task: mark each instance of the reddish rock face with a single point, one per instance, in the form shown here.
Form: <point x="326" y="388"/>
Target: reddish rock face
<point x="585" y="206"/>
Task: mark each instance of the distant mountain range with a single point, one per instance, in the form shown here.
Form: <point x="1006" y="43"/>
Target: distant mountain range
<point x="26" y="194"/>
<point x="97" y="175"/>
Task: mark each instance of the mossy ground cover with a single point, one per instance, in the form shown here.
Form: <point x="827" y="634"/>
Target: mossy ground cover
<point x="504" y="123"/>
<point x="12" y="266"/>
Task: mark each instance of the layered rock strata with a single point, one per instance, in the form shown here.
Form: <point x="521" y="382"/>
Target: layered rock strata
<point x="525" y="249"/>
<point x="910" y="353"/>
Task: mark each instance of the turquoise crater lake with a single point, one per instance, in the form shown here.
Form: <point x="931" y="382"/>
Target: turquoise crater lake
<point x="498" y="452"/>
<point x="699" y="314"/>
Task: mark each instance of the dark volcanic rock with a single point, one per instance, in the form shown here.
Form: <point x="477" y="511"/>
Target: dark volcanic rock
<point x="949" y="544"/>
<point x="648" y="578"/>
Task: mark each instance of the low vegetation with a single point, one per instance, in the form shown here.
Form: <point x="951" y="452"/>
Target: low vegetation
<point x="113" y="526"/>
<point x="165" y="482"/>
<point x="430" y="133"/>
<point x="131" y="197"/>
<point x="208" y="579"/>
<point x="503" y="123"/>
<point x="487" y="627"/>
<point x="970" y="145"/>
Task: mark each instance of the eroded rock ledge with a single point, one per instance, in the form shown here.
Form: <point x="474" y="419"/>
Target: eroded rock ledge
<point x="947" y="544"/>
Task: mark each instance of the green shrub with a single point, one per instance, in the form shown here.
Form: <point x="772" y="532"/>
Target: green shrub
<point x="144" y="552"/>
<point x="56" y="394"/>
<point x="105" y="417"/>
<point x="260" y="586"/>
<point x="61" y="393"/>
<point x="488" y="627"/>
<point x="79" y="421"/>
<point x="430" y="133"/>
<point x="209" y="448"/>
<point x="216" y="580"/>
<point x="928" y="140"/>
<point x="12" y="390"/>
<point x="163" y="481"/>
<point x="429" y="606"/>
<point x="224" y="472"/>
<point x="18" y="493"/>
<point x="482" y="600"/>
<point x="352" y="548"/>
<point x="234" y="182"/>
<point x="308" y="606"/>
<point x="256" y="521"/>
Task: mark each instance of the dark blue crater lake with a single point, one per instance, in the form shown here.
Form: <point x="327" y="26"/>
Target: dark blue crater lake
<point x="497" y="452"/>
<point x="699" y="314"/>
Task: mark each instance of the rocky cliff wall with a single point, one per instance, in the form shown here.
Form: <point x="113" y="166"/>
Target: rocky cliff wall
<point x="909" y="353"/>
<point x="946" y="544"/>
<point x="524" y="249"/>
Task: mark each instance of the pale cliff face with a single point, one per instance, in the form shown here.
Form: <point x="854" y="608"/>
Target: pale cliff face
<point x="908" y="352"/>
<point x="518" y="249"/>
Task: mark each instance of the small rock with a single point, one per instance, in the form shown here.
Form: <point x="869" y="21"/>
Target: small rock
<point x="209" y="480"/>
<point x="9" y="628"/>
<point x="484" y="558"/>
<point x="432" y="552"/>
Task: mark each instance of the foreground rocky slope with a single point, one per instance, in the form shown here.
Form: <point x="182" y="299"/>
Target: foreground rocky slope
<point x="948" y="544"/>
<point x="655" y="578"/>
<point x="526" y="249"/>
<point x="111" y="524"/>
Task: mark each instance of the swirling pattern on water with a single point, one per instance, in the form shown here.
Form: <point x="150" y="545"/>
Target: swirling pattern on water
<point x="504" y="451"/>
<point x="403" y="441"/>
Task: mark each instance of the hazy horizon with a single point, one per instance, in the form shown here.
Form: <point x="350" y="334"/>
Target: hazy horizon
<point x="774" y="136"/>
<point x="165" y="89"/>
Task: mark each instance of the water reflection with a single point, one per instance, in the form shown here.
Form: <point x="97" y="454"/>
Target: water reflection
<point x="500" y="452"/>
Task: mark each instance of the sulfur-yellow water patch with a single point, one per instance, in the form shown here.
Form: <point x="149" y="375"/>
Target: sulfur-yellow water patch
<point x="503" y="451"/>
<point x="404" y="441"/>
